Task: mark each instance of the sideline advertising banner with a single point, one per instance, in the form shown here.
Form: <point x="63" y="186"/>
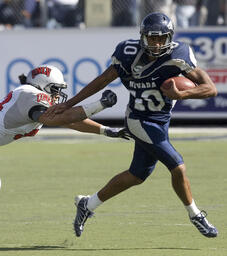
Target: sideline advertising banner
<point x="210" y="48"/>
<point x="84" y="54"/>
<point x="80" y="54"/>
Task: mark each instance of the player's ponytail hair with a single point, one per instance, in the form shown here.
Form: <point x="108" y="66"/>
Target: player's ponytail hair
<point x="22" y="79"/>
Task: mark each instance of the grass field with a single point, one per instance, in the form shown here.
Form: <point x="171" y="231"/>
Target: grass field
<point x="41" y="178"/>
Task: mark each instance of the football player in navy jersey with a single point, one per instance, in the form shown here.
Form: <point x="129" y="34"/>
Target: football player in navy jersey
<point x="143" y="65"/>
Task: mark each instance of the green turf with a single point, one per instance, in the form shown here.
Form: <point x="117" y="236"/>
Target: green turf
<point x="40" y="180"/>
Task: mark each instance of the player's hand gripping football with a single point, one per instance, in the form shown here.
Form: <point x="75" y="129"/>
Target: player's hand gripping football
<point x="108" y="99"/>
<point x="117" y="133"/>
<point x="171" y="91"/>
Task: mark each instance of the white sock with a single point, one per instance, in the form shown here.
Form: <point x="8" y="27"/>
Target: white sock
<point x="93" y="202"/>
<point x="92" y="108"/>
<point x="192" y="209"/>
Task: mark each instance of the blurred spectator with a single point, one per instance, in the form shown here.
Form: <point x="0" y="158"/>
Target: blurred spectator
<point x="7" y="14"/>
<point x="124" y="12"/>
<point x="31" y="13"/>
<point x="216" y="12"/>
<point x="163" y="6"/>
<point x="222" y="20"/>
<point x="70" y="13"/>
<point x="201" y="13"/>
<point x="167" y="7"/>
<point x="186" y="13"/>
<point x="67" y="13"/>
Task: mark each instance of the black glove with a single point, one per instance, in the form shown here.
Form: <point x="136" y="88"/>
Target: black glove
<point x="108" y="99"/>
<point x="117" y="133"/>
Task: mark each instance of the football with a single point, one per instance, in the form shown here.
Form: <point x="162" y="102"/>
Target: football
<point x="182" y="83"/>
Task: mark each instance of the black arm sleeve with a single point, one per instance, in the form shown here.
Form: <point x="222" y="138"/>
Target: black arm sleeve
<point x="36" y="111"/>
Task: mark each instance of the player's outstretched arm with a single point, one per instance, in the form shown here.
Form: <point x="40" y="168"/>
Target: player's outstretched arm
<point x="69" y="116"/>
<point x="87" y="125"/>
<point x="109" y="75"/>
<point x="90" y="126"/>
<point x="74" y="114"/>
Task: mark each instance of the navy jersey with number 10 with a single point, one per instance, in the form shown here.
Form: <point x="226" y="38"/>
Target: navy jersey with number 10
<point x="143" y="78"/>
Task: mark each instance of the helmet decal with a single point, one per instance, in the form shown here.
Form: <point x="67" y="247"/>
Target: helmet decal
<point x="170" y="25"/>
<point x="41" y="70"/>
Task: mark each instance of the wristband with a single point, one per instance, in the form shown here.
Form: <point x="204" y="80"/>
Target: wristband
<point x="102" y="130"/>
<point x="92" y="108"/>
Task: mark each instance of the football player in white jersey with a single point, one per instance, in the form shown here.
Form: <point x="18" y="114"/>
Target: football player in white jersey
<point x="22" y="111"/>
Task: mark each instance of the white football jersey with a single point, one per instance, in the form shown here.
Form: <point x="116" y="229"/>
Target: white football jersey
<point x="15" y="122"/>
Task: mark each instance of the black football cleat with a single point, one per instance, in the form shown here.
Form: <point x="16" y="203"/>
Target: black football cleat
<point x="82" y="214"/>
<point x="202" y="224"/>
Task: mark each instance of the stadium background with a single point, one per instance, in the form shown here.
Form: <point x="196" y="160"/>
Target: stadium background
<point x="81" y="42"/>
<point x="41" y="175"/>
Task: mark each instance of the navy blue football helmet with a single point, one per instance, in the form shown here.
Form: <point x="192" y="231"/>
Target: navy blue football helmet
<point x="156" y="24"/>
